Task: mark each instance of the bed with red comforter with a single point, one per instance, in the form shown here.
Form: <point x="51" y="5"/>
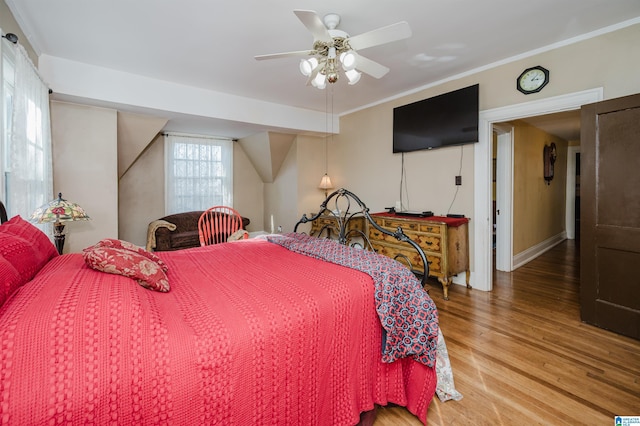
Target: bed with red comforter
<point x="263" y="331"/>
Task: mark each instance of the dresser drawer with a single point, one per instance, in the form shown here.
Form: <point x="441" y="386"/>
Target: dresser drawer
<point x="394" y="224"/>
<point x="445" y="244"/>
<point x="401" y="254"/>
<point x="329" y="224"/>
<point x="431" y="228"/>
<point x="325" y="221"/>
<point x="430" y="243"/>
<point x="408" y="226"/>
<point x="357" y="223"/>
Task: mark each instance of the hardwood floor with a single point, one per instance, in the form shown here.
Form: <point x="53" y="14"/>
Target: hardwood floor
<point x="521" y="356"/>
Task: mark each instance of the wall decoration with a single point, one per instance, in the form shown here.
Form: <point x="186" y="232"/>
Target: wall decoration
<point x="549" y="155"/>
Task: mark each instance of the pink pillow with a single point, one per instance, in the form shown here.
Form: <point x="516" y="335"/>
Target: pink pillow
<point x="9" y="279"/>
<point x="25" y="247"/>
<point x="126" y="245"/>
<point x="129" y="264"/>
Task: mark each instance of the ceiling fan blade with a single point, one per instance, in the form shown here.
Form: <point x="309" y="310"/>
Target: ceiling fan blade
<point x="284" y="55"/>
<point x="393" y="32"/>
<point x="312" y="21"/>
<point x="370" y="67"/>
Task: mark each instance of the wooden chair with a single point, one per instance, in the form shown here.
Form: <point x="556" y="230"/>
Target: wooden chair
<point x="217" y="223"/>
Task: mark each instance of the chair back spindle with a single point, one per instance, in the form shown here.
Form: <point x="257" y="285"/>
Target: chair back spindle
<point x="217" y="223"/>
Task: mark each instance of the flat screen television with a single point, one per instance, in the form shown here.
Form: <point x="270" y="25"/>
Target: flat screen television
<point x="444" y="120"/>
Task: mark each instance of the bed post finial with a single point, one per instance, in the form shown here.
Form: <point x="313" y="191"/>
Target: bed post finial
<point x="3" y="213"/>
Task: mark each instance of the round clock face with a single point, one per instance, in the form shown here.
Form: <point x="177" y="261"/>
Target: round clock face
<point x="533" y="80"/>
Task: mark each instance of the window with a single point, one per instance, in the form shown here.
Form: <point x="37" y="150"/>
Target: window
<point x="198" y="173"/>
<point x="8" y="80"/>
<point x="25" y="137"/>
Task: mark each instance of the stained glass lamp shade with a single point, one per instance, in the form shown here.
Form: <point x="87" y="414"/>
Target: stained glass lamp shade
<point x="58" y="211"/>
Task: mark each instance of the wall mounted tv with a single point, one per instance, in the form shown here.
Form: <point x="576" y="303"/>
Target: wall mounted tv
<point x="444" y="120"/>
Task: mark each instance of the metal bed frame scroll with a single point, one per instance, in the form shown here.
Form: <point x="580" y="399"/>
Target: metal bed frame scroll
<point x="343" y="206"/>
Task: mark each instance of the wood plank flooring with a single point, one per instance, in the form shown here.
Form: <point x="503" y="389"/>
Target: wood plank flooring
<point x="521" y="355"/>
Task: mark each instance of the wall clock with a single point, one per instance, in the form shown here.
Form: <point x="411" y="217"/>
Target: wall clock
<point x="532" y="80"/>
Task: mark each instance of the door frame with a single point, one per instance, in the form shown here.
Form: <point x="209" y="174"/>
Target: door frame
<point x="482" y="275"/>
<point x="570" y="216"/>
<point x="504" y="197"/>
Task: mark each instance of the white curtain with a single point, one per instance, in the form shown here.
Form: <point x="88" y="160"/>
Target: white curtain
<point x="28" y="172"/>
<point x="198" y="173"/>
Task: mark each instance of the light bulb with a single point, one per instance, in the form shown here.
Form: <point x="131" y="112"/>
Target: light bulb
<point x="320" y="81"/>
<point x="353" y="76"/>
<point x="307" y="66"/>
<point x="348" y="60"/>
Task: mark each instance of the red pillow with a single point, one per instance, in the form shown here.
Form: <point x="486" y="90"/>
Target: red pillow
<point x="9" y="279"/>
<point x="25" y="247"/>
<point x="126" y="245"/>
<point x="129" y="264"/>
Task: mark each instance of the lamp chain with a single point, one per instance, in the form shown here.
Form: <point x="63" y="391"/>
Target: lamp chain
<point x="326" y="153"/>
<point x="326" y="125"/>
<point x="325" y="183"/>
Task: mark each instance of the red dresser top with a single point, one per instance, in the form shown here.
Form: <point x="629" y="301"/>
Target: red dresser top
<point x="450" y="221"/>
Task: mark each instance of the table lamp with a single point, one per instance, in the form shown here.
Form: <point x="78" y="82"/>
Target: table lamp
<point x="58" y="211"/>
<point x="325" y="184"/>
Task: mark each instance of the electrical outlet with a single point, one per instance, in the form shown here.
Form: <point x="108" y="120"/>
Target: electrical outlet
<point x="458" y="180"/>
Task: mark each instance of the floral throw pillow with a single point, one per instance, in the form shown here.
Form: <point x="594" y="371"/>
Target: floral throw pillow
<point x="129" y="264"/>
<point x="126" y="245"/>
<point x="240" y="234"/>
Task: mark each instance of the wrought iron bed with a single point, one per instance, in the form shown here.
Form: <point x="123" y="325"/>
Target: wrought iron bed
<point x="343" y="206"/>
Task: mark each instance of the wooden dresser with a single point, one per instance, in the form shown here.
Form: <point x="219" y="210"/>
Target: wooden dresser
<point x="328" y="225"/>
<point x="444" y="240"/>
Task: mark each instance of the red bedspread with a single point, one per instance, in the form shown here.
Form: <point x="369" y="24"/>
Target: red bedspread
<point x="249" y="334"/>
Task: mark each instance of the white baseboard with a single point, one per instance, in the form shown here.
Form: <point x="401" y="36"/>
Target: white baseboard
<point x="461" y="279"/>
<point x="532" y="252"/>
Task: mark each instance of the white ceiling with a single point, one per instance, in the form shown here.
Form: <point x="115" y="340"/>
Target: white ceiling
<point x="211" y="44"/>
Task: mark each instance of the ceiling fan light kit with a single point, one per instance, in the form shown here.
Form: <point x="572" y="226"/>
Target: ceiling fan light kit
<point x="353" y="76"/>
<point x="348" y="60"/>
<point x="334" y="51"/>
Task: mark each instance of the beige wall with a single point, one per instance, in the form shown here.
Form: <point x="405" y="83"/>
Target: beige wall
<point x="141" y="194"/>
<point x="310" y="196"/>
<point x="538" y="208"/>
<point x="140" y="166"/>
<point x="86" y="144"/>
<point x="366" y="165"/>
<point x="294" y="190"/>
<point x="8" y="24"/>
<point x="362" y="159"/>
<point x="248" y="189"/>
<point x="281" y="195"/>
<point x="85" y="169"/>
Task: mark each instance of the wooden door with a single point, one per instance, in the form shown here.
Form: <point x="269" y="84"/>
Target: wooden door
<point x="610" y="215"/>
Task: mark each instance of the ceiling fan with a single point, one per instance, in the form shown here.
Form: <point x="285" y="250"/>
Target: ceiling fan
<point x="334" y="49"/>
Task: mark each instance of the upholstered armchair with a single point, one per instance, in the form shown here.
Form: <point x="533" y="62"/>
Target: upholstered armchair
<point x="177" y="231"/>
